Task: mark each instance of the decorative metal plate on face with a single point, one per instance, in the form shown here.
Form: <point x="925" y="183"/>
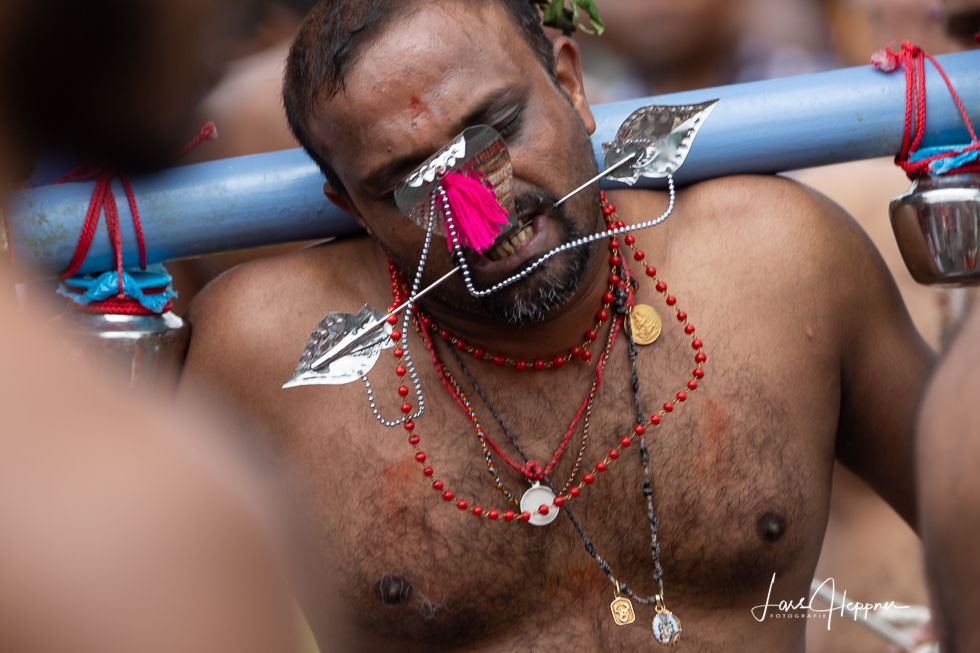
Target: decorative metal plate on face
<point x="478" y="152"/>
<point x="332" y="333"/>
<point x="661" y="136"/>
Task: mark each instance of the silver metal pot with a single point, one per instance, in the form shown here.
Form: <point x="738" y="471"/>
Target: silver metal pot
<point x="147" y="349"/>
<point x="937" y="226"/>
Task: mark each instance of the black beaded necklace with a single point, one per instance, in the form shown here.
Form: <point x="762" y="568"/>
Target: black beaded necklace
<point x="666" y="626"/>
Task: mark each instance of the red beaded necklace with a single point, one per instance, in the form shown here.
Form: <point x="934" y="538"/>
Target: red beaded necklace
<point x="520" y="364"/>
<point x="614" y="453"/>
<point x="532" y="470"/>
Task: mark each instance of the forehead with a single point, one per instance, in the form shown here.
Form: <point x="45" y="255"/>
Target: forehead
<point x="410" y="89"/>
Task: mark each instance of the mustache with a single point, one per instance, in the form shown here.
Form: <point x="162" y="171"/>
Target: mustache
<point x="529" y="198"/>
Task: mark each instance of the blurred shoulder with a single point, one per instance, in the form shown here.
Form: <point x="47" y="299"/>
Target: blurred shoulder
<point x="268" y="307"/>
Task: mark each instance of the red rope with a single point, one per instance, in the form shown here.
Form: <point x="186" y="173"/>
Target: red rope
<point x="115" y="306"/>
<point x="600" y="364"/>
<point x="913" y="59"/>
<point x="103" y="199"/>
<point x="208" y="133"/>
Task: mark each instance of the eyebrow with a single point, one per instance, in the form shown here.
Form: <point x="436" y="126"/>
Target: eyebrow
<point x="382" y="177"/>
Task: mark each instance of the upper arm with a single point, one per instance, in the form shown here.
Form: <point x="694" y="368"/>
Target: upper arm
<point x="238" y="337"/>
<point x="884" y="362"/>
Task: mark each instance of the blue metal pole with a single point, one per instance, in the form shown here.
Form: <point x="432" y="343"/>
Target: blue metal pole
<point x="810" y="120"/>
<point x="760" y="127"/>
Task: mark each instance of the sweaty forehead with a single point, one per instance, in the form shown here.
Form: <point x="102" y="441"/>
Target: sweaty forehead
<point x="411" y="89"/>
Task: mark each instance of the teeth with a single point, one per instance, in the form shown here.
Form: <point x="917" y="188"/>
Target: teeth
<point x="511" y="244"/>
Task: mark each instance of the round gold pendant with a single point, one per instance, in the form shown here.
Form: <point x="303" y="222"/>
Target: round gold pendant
<point x="666" y="627"/>
<point x="645" y="323"/>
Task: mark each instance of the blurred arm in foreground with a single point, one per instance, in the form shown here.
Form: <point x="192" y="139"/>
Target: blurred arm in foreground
<point x="948" y="448"/>
<point x="123" y="527"/>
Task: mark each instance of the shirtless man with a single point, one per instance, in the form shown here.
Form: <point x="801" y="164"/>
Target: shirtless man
<point x="810" y="355"/>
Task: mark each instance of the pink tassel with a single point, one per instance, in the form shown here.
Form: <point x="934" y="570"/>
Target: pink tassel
<point x="476" y="211"/>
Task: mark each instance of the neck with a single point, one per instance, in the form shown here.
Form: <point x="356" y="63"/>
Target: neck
<point x="561" y="329"/>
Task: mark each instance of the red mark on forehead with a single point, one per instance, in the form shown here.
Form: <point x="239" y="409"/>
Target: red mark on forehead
<point x="417" y="105"/>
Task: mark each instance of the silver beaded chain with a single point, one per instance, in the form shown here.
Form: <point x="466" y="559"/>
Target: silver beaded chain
<point x="406" y="355"/>
<point x="458" y="254"/>
<point x="447" y="213"/>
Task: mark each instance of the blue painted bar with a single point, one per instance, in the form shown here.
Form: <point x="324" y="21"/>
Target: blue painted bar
<point x="265" y="199"/>
<point x="186" y="211"/>
<point x="810" y="120"/>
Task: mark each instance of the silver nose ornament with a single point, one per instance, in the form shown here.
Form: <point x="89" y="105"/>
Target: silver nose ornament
<point x="653" y="142"/>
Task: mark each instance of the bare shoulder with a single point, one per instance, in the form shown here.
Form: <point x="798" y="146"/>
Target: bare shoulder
<point x="766" y="229"/>
<point x="776" y="217"/>
<point x="263" y="311"/>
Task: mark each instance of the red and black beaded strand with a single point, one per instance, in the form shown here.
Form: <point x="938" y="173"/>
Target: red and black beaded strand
<point x="610" y="339"/>
<point x="578" y="351"/>
<point x="625" y="441"/>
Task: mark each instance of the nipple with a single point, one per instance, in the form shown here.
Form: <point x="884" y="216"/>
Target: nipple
<point x="393" y="590"/>
<point x="770" y="527"/>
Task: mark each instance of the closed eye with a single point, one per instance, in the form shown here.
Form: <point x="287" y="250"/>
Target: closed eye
<point x="510" y="124"/>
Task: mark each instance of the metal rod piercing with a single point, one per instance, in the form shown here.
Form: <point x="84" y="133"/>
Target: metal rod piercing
<point x="348" y="346"/>
<point x="354" y="343"/>
<point x="596" y="178"/>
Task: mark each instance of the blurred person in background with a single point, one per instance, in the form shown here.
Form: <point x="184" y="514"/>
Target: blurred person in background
<point x="246" y="106"/>
<point x="948" y="447"/>
<point x="868" y="549"/>
<point x="125" y="523"/>
<point x="652" y="47"/>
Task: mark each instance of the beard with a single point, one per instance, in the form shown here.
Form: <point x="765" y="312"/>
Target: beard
<point x="553" y="283"/>
<point x="529" y="300"/>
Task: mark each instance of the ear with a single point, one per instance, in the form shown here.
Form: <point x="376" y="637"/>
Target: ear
<point x="342" y="202"/>
<point x="568" y="71"/>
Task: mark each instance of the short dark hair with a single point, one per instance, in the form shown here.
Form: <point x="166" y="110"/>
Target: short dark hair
<point x="335" y="33"/>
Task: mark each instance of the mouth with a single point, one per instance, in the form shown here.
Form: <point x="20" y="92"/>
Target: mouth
<point x="513" y="241"/>
<point x="516" y="246"/>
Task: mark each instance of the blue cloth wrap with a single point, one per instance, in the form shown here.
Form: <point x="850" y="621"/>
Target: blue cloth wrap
<point x="942" y="166"/>
<point x="106" y="285"/>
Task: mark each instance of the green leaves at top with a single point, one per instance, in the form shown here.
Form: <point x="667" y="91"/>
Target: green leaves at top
<point x="555" y="14"/>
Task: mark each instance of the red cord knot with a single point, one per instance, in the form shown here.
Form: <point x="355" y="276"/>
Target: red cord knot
<point x="885" y="60"/>
<point x="208" y="133"/>
<point x="533" y="471"/>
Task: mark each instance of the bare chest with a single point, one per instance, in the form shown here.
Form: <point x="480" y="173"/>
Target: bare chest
<point x="739" y="475"/>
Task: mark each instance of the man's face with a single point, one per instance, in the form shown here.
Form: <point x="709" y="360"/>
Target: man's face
<point x="429" y="76"/>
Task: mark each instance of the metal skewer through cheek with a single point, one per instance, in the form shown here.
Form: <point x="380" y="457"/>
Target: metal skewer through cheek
<point x="596" y="178"/>
<point x="356" y="344"/>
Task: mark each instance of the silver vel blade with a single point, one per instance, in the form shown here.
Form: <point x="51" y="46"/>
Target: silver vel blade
<point x="659" y="137"/>
<point x="336" y="338"/>
<point x="478" y="152"/>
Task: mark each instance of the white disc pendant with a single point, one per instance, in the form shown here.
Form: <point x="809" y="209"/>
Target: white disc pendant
<point x="536" y="497"/>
